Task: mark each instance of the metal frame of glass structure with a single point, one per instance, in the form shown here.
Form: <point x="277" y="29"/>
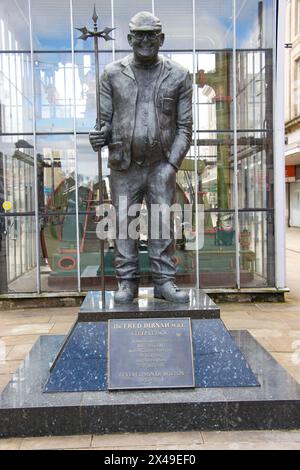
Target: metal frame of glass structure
<point x="241" y="136"/>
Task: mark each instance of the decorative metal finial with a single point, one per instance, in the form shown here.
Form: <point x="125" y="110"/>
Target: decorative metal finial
<point x="95" y="16"/>
<point x="104" y="33"/>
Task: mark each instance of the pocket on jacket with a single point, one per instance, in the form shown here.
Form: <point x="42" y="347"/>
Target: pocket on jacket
<point x="168" y="105"/>
<point x="115" y="153"/>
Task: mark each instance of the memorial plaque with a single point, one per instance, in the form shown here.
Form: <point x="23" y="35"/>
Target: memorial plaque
<point x="150" y="353"/>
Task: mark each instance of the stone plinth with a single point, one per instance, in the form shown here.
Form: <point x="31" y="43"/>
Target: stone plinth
<point x="145" y="306"/>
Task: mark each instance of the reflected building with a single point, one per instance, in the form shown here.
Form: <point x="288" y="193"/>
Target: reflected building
<point x="48" y="170"/>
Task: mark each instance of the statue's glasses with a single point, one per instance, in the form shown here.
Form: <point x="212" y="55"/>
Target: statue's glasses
<point x="141" y="35"/>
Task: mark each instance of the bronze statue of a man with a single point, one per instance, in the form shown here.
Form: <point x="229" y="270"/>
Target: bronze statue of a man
<point x="146" y="121"/>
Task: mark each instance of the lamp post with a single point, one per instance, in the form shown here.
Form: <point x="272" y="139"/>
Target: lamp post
<point x="84" y="36"/>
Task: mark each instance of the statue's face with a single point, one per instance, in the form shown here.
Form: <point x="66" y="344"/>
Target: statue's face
<point x="146" y="44"/>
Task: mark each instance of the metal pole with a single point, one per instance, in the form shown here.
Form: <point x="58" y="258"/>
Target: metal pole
<point x="235" y="159"/>
<point x="36" y="163"/>
<point x="84" y="36"/>
<point x="279" y="162"/>
<point x="195" y="143"/>
<point x="75" y="153"/>
<point x="95" y="18"/>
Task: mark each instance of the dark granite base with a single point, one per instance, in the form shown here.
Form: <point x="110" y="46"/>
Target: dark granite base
<point x="200" y="306"/>
<point x="82" y="363"/>
<point x="26" y="411"/>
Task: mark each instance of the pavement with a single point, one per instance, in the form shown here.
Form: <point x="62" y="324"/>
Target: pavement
<point x="275" y="326"/>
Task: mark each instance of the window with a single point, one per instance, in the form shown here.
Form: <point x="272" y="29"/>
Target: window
<point x="297" y="88"/>
<point x="297" y="17"/>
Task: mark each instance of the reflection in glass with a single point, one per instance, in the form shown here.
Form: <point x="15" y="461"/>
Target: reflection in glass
<point x="17" y="254"/>
<point x="14" y="25"/>
<point x="177" y="23"/>
<point x="58" y="252"/>
<point x="254" y="90"/>
<point x="17" y="172"/>
<point x="17" y="234"/>
<point x="213" y="98"/>
<point x="215" y="170"/>
<point x="56" y="173"/>
<point x="254" y="24"/>
<point x="257" y="261"/>
<point x="51" y="24"/>
<point x="217" y="258"/>
<point x="88" y="193"/>
<point x="87" y="164"/>
<point x="16" y="114"/>
<point x="255" y="170"/>
<point x="54" y="92"/>
<point x="85" y="88"/>
<point x="214" y="24"/>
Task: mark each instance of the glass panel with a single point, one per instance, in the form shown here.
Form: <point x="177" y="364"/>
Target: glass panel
<point x="17" y="172"/>
<point x="82" y="16"/>
<point x="255" y="170"/>
<point x="85" y="88"/>
<point x="54" y="92"/>
<point x="217" y="259"/>
<point x="183" y="58"/>
<point x="51" y="24"/>
<point x="257" y="255"/>
<point x="215" y="170"/>
<point x="254" y="24"/>
<point x="214" y="90"/>
<point x="14" y="25"/>
<point x="177" y="23"/>
<point x="17" y="254"/>
<point x="58" y="252"/>
<point x="185" y="223"/>
<point x="87" y="164"/>
<point x="56" y="173"/>
<point x="255" y="90"/>
<point x="15" y="93"/>
<point x="88" y="194"/>
<point x="124" y="11"/>
<point x="213" y="24"/>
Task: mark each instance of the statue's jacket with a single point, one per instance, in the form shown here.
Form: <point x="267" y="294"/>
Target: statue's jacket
<point x="173" y="105"/>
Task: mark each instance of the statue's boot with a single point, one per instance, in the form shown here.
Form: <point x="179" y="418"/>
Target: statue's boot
<point x="169" y="291"/>
<point x="127" y="292"/>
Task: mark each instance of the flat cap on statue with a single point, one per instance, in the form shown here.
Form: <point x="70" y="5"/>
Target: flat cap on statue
<point x="144" y="21"/>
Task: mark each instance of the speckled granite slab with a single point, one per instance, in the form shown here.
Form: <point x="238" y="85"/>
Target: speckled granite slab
<point x="82" y="364"/>
<point x="26" y="411"/>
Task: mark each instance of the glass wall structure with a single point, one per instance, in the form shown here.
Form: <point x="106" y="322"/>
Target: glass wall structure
<point x="48" y="171"/>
